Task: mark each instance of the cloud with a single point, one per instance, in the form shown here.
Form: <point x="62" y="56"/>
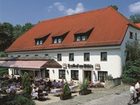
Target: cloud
<point x="79" y="8"/>
<point x="67" y="11"/>
<point x="59" y="6"/>
<point x="135" y="7"/>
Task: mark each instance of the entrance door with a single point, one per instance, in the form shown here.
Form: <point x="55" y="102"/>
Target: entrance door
<point x="87" y="75"/>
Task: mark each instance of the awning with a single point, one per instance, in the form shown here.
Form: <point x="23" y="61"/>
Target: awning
<point x="29" y="64"/>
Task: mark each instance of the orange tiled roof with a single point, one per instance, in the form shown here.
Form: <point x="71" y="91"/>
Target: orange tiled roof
<point x="138" y="24"/>
<point x="109" y="28"/>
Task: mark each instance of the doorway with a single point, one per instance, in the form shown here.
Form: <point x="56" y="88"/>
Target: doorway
<point x="87" y="75"/>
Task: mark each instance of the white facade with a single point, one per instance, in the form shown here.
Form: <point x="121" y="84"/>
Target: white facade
<point x="113" y="66"/>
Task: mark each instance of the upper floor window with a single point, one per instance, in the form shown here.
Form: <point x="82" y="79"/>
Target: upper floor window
<point x="82" y="36"/>
<point x="40" y="41"/>
<point x="71" y="56"/>
<point x="59" y="57"/>
<point x="57" y="40"/>
<point x="27" y="55"/>
<point x="46" y="55"/>
<point x="103" y="56"/>
<point x="131" y="35"/>
<point x="86" y="56"/>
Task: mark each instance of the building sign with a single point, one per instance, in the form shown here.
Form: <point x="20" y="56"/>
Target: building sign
<point x="84" y="66"/>
<point x="64" y="65"/>
<point x="97" y="67"/>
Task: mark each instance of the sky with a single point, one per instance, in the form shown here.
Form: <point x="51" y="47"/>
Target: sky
<point x="33" y="11"/>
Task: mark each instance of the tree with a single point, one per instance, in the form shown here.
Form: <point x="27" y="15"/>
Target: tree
<point x="135" y="18"/>
<point x="131" y="71"/>
<point x="115" y="7"/>
<point x="5" y="41"/>
<point x="17" y="31"/>
<point x="133" y="51"/>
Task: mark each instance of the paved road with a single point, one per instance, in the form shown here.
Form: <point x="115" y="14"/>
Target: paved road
<point x="114" y="99"/>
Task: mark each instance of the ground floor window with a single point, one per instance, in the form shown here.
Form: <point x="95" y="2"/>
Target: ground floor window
<point x="74" y="74"/>
<point x="62" y="74"/>
<point x="15" y="72"/>
<point x="102" y="76"/>
<point x="47" y="73"/>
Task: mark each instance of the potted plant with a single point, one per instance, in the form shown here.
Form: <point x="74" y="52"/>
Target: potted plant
<point x="84" y="88"/>
<point x="26" y="84"/>
<point x="66" y="93"/>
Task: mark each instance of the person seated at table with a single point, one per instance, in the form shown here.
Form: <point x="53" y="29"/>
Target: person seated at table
<point x="54" y="84"/>
<point x="71" y="82"/>
<point x="59" y="84"/>
<point x="49" y="83"/>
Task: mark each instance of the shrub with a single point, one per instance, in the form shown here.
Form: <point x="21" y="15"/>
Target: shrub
<point x="66" y="92"/>
<point x="84" y="88"/>
<point x="131" y="71"/>
<point x="26" y="83"/>
<point x="17" y="100"/>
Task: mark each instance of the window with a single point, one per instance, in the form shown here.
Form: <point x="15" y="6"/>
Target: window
<point x="27" y="55"/>
<point x="136" y="36"/>
<point x="57" y="40"/>
<point x="103" y="56"/>
<point x="18" y="56"/>
<point x="102" y="76"/>
<point x="86" y="57"/>
<point x="59" y="57"/>
<point x="47" y="73"/>
<point x="74" y="74"/>
<point x="46" y="55"/>
<point x="16" y="72"/>
<point x="39" y="42"/>
<point x="36" y="55"/>
<point x="82" y="36"/>
<point x="71" y="56"/>
<point x="61" y="74"/>
<point x="131" y="35"/>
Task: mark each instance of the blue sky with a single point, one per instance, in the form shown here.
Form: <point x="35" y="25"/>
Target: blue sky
<point x="23" y="11"/>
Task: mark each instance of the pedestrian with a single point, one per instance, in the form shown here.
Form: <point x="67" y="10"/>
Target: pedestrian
<point x="132" y="94"/>
<point x="137" y="87"/>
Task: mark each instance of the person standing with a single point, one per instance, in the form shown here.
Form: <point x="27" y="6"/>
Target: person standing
<point x="137" y="87"/>
<point x="132" y="94"/>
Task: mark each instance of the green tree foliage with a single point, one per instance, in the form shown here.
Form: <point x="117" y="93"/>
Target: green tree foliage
<point x="9" y="33"/>
<point x="115" y="7"/>
<point x="26" y="84"/>
<point x="133" y="51"/>
<point x="135" y="18"/>
<point x="131" y="71"/>
<point x="5" y="41"/>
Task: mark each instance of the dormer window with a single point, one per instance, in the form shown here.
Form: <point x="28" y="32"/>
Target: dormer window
<point x="40" y="41"/>
<point x="82" y="36"/>
<point x="59" y="39"/>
